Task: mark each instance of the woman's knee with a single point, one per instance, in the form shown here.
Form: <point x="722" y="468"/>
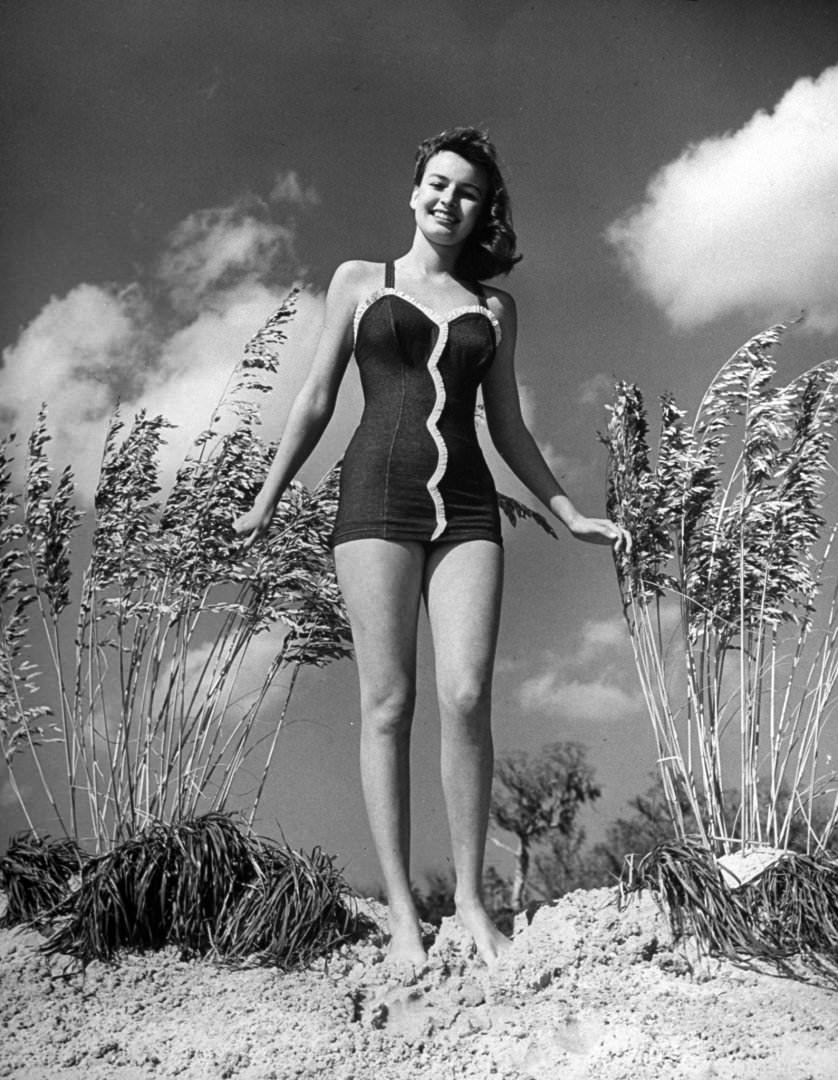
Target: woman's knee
<point x="389" y="711"/>
<point x="466" y="700"/>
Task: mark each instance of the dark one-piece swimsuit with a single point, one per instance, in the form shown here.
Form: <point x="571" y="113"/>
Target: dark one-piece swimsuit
<point x="414" y="469"/>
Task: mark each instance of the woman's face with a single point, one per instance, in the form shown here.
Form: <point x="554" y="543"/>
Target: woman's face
<point x="448" y="200"/>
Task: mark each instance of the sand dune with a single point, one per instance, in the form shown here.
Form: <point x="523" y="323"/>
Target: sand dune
<point x="587" y="992"/>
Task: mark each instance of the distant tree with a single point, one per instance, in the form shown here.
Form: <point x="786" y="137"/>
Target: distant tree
<point x="437" y="901"/>
<point x="497" y="895"/>
<point x="563" y="863"/>
<point x="651" y="824"/>
<point x="536" y="797"/>
<point x="636" y="834"/>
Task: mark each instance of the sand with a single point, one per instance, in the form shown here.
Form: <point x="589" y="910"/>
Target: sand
<point x="586" y="991"/>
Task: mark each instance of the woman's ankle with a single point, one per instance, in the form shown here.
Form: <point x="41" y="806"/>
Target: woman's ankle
<point x="406" y="934"/>
<point x="468" y="902"/>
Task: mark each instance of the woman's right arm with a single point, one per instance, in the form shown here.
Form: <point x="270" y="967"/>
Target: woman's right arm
<point x="314" y="404"/>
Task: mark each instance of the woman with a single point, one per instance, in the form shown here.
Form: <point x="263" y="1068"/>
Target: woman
<point x="418" y="517"/>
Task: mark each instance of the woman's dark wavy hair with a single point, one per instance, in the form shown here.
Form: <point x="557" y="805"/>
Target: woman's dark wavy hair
<point x="490" y="249"/>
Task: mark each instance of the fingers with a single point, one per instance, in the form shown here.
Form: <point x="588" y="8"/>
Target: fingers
<point x="246" y="532"/>
<point x="609" y="532"/>
<point x="252" y="535"/>
<point x="621" y="538"/>
<point x="604" y="531"/>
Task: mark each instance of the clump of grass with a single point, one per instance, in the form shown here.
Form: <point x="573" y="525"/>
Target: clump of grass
<point x="35" y="874"/>
<point x="294" y="911"/>
<point x="789" y="910"/>
<point x="208" y="887"/>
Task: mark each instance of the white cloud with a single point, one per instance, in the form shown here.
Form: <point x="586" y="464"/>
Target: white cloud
<point x="596" y="390"/>
<point x="260" y="654"/>
<point x="224" y="272"/>
<point x="601" y="637"/>
<point x="80" y="354"/>
<point x="195" y="362"/>
<point x="213" y="249"/>
<point x="746" y="220"/>
<point x="595" y="700"/>
<point x="569" y="471"/>
<point x="90" y="338"/>
<point x="593" y="679"/>
<point x="288" y="188"/>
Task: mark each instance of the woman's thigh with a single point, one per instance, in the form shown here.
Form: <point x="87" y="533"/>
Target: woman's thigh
<point x="463" y="587"/>
<point x="381" y="583"/>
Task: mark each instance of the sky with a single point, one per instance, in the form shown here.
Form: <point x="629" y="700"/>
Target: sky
<point x="171" y="167"/>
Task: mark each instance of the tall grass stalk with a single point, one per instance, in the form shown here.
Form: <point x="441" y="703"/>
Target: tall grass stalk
<point x="730" y="597"/>
<point x="148" y="656"/>
<point x="149" y="652"/>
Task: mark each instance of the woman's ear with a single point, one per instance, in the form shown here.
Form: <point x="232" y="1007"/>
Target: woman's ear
<point x="413" y="196"/>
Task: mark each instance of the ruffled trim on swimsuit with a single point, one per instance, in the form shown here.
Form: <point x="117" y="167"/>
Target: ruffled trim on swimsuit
<point x="434" y="316"/>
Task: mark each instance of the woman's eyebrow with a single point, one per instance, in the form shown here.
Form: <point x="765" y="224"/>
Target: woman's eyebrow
<point x="462" y="184"/>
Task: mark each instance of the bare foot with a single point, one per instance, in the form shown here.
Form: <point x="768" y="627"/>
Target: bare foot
<point x="488" y="940"/>
<point x="405" y="939"/>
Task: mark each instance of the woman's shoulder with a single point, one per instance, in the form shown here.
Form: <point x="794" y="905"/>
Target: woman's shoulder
<point x="352" y="282"/>
<point x="358" y="276"/>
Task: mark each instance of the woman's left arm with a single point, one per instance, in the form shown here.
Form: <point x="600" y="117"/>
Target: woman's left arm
<point x="519" y="449"/>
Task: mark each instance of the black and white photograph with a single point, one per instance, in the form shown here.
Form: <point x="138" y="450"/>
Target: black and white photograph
<point x="419" y="540"/>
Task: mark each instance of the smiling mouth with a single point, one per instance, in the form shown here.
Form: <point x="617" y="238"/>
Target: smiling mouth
<point x="446" y="219"/>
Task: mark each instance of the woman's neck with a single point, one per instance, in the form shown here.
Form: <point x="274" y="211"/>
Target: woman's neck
<point x="425" y="259"/>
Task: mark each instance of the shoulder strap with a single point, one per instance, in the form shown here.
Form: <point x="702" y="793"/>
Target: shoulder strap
<point x="389" y="276"/>
<point x="481" y="294"/>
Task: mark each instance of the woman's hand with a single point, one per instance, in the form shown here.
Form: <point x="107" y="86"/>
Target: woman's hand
<point x="601" y="531"/>
<point x="253" y="525"/>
